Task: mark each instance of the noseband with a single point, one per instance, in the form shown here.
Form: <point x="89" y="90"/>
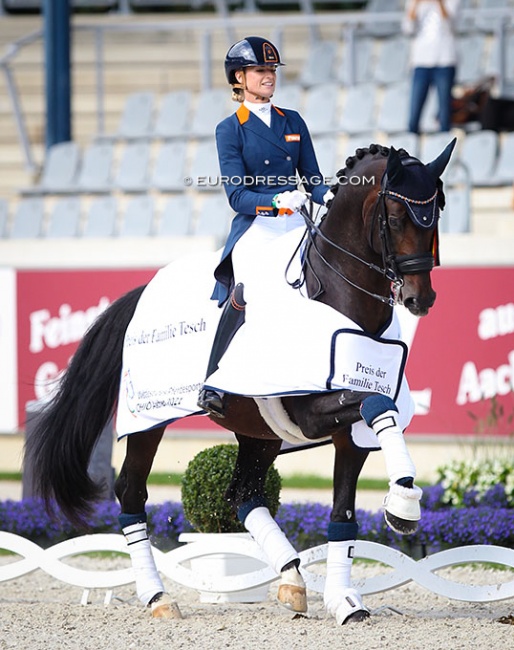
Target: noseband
<point x="394" y="266"/>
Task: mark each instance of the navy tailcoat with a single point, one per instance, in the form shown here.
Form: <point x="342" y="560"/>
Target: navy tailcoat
<point x="256" y="163"/>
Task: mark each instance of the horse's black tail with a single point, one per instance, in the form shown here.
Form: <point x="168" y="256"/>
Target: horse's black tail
<point x="59" y="449"/>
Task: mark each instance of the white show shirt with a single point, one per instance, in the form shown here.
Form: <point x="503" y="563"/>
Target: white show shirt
<point x="434" y="43"/>
<point x="263" y="111"/>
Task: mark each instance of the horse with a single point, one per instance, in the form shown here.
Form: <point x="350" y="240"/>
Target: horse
<point x="375" y="247"/>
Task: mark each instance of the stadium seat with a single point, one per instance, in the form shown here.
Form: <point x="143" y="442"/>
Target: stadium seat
<point x="28" y="219"/>
<point x="406" y="140"/>
<point x="101" y="218"/>
<point x="205" y="170"/>
<point x="321" y="108"/>
<point x="358" y="115"/>
<point x="455" y="217"/>
<point x="212" y="107"/>
<point x="176" y="218"/>
<point x="380" y="27"/>
<point x="357" y="68"/>
<point x="173" y="118"/>
<point x="392" y="64"/>
<point x="64" y="218"/>
<point x="137" y="219"/>
<point x="133" y="172"/>
<point x="289" y="96"/>
<point x="479" y="152"/>
<point x="470" y="55"/>
<point x="59" y="170"/>
<point x="214" y="217"/>
<point x="319" y="65"/>
<point x="169" y="169"/>
<point x="393" y="114"/>
<point x="95" y="175"/>
<point x="503" y="173"/>
<point x="326" y="153"/>
<point x="4" y="215"/>
<point x="137" y="115"/>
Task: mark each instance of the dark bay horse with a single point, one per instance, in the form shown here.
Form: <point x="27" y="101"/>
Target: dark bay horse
<point x="375" y="247"/>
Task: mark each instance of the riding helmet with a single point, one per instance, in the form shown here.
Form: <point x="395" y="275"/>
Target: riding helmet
<point x="251" y="51"/>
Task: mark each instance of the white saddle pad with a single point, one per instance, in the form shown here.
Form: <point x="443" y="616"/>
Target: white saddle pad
<point x="288" y="345"/>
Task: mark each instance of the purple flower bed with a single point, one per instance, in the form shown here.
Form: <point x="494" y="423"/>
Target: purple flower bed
<point x="486" y="522"/>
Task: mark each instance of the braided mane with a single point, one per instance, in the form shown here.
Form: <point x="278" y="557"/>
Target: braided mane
<point x="382" y="150"/>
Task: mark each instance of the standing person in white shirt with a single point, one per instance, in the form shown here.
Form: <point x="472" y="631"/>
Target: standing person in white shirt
<point x="433" y="56"/>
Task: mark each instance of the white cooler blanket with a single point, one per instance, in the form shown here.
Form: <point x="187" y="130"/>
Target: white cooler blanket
<point x="288" y="345"/>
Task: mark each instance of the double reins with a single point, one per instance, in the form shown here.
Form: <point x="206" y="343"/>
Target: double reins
<point x="394" y="267"/>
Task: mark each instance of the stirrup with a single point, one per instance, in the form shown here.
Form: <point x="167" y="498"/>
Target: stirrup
<point x="212" y="402"/>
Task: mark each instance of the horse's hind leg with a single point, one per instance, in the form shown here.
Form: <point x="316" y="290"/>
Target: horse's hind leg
<point x="247" y="497"/>
<point x="341" y="599"/>
<point x="132" y="493"/>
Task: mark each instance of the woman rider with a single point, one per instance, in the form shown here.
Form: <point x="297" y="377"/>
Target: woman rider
<point x="264" y="151"/>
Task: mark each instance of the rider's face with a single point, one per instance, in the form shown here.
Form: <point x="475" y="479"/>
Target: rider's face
<point x="260" y="83"/>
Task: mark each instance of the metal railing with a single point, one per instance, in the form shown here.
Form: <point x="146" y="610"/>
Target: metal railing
<point x="348" y="24"/>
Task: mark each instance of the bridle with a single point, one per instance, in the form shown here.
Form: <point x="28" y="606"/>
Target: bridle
<point x="394" y="266"/>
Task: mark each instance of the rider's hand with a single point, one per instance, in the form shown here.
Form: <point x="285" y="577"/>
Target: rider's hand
<point x="289" y="202"/>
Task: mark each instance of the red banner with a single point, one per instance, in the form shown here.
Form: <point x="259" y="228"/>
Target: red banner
<point x="460" y="367"/>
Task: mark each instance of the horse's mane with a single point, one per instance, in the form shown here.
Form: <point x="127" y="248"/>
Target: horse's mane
<point x="383" y="151"/>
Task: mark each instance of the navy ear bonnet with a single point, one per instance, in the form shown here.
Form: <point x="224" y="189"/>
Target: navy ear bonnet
<point x="408" y="181"/>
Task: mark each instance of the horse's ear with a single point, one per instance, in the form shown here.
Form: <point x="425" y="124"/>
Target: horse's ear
<point x="394" y="168"/>
<point x="437" y="166"/>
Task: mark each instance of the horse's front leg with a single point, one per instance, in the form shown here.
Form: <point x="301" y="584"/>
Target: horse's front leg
<point x="341" y="599"/>
<point x="247" y="498"/>
<point x="132" y="494"/>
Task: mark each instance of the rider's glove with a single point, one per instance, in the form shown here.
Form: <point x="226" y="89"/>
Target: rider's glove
<point x="289" y="202"/>
<point x="328" y="197"/>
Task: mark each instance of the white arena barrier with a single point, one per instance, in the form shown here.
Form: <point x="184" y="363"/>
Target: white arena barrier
<point x="175" y="565"/>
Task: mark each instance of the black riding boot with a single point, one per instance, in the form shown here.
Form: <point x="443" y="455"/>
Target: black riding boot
<point x="232" y="318"/>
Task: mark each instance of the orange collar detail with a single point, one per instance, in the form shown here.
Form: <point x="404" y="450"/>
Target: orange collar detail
<point x="243" y="114"/>
<point x="279" y="111"/>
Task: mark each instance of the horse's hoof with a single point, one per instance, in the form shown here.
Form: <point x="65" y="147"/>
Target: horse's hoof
<point x="399" y="525"/>
<point x="401" y="508"/>
<point x="164" y="607"/>
<point x="293" y="597"/>
<point x="357" y="617"/>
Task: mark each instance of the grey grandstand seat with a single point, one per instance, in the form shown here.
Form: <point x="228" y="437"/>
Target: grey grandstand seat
<point x="358" y="68"/>
<point x="95" y="175"/>
<point x="64" y="218"/>
<point x="212" y="106"/>
<point x="137" y="115"/>
<point x="321" y="108"/>
<point x="488" y="23"/>
<point x="169" y="169"/>
<point x="455" y="217"/>
<point x="4" y="215"/>
<point x="381" y="27"/>
<point x="408" y="141"/>
<point x="504" y="170"/>
<point x="137" y="219"/>
<point x="393" y="114"/>
<point x="101" y="217"/>
<point x="392" y="64"/>
<point x="478" y="152"/>
<point x="493" y="63"/>
<point x="326" y="153"/>
<point x="429" y="122"/>
<point x="176" y="217"/>
<point x="59" y="170"/>
<point x="470" y="55"/>
<point x="288" y="96"/>
<point x="214" y="217"/>
<point x="358" y="115"/>
<point x="319" y="66"/>
<point x="205" y="170"/>
<point x="133" y="172"/>
<point x="28" y="218"/>
<point x="173" y="118"/>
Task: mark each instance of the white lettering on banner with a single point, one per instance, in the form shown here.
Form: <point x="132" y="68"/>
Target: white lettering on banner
<point x="495" y="322"/>
<point x="45" y="380"/>
<point x="475" y="385"/>
<point x="68" y="327"/>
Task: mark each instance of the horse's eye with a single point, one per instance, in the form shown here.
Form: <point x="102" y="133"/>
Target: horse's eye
<point x="395" y="223"/>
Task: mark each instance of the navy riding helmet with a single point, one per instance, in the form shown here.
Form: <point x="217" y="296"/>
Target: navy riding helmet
<point x="251" y="51"/>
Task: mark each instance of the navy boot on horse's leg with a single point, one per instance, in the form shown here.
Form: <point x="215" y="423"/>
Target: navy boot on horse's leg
<point x="232" y="318"/>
